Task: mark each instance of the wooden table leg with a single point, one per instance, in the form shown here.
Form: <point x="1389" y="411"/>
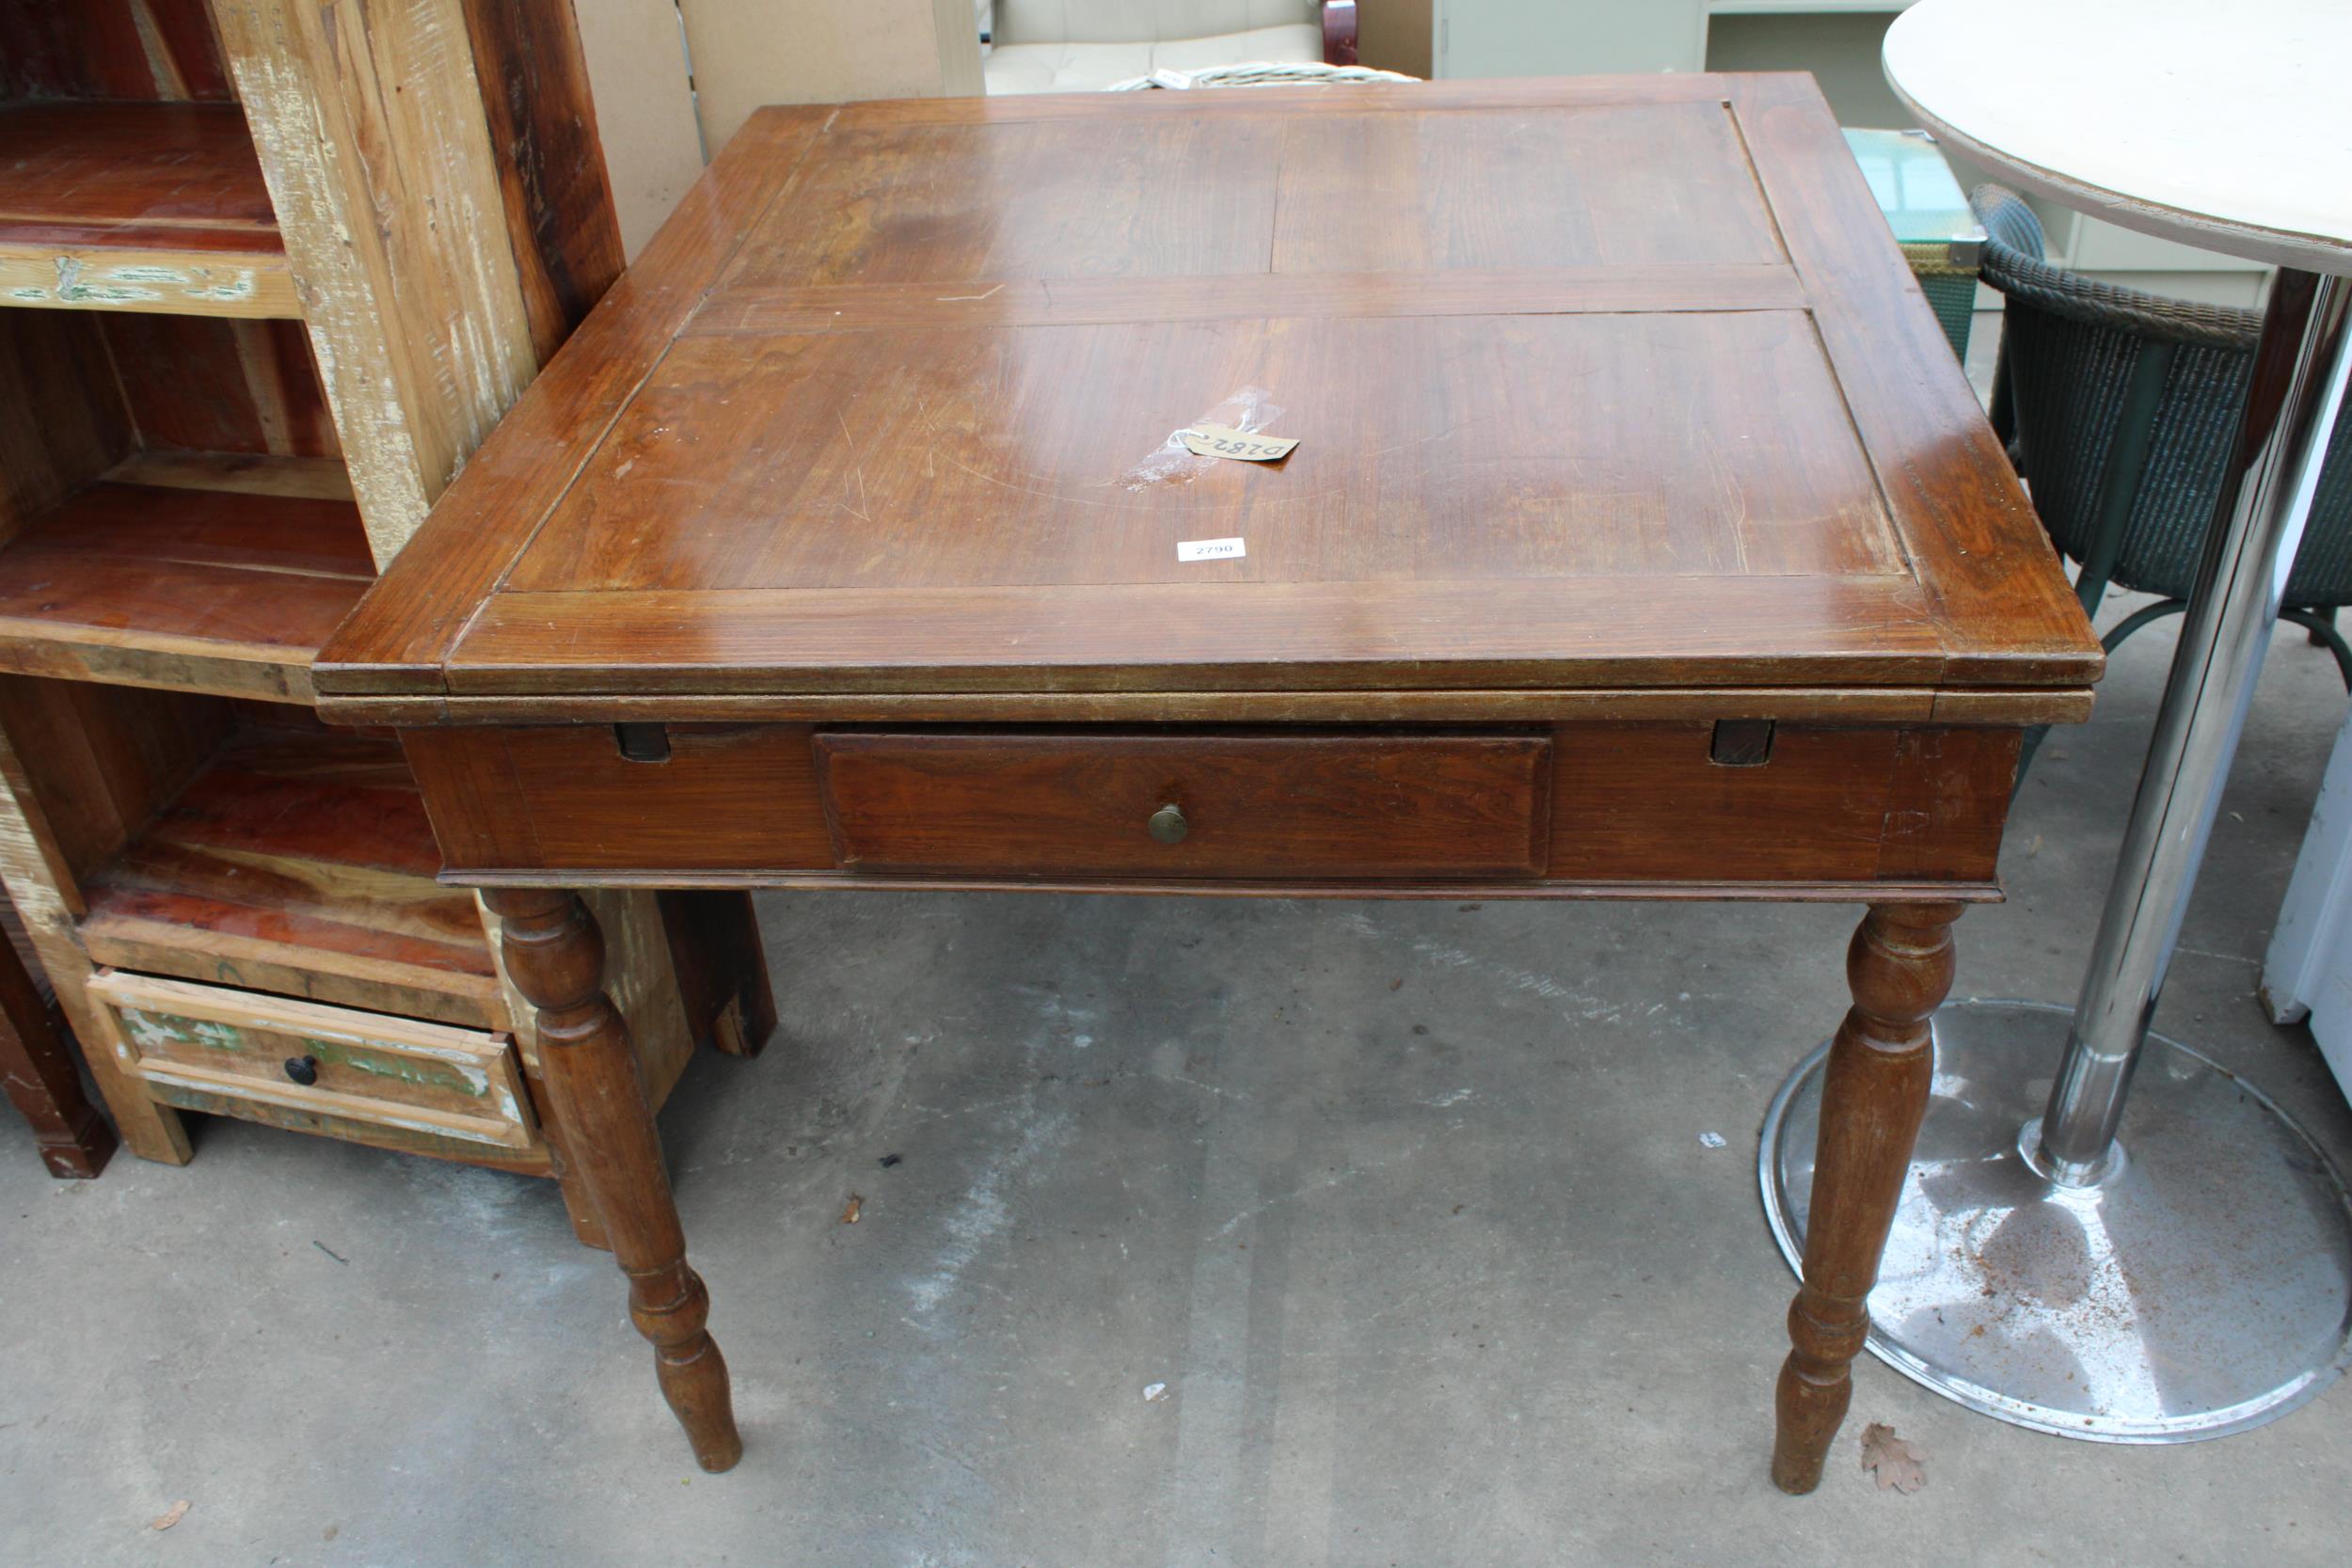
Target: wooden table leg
<point x="1873" y="1096"/>
<point x="73" y="1139"/>
<point x="554" y="953"/>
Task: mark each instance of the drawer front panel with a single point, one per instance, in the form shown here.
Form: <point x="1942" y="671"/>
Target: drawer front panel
<point x="1187" y="805"/>
<point x="365" y="1066"/>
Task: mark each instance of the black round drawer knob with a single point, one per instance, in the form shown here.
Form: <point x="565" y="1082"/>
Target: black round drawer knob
<point x="303" y="1070"/>
<point x="1168" y="826"/>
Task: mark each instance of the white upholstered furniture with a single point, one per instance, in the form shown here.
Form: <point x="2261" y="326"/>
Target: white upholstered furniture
<point x="1086" y="45"/>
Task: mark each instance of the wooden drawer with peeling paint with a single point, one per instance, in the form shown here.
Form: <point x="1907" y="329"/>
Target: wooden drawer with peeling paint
<point x="430" y="1078"/>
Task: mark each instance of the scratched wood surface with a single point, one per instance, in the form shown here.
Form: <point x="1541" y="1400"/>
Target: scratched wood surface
<point x="1600" y="382"/>
<point x="297" y="861"/>
<point x="200" y="590"/>
<point x="424" y="1077"/>
<point x="142" y="206"/>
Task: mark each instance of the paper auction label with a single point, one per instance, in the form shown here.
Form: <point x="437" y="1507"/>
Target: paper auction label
<point x="1209" y="549"/>
<point x="1217" y="441"/>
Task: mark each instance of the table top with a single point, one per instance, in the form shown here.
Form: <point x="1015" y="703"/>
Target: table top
<point x="2221" y="125"/>
<point x="1598" y="385"/>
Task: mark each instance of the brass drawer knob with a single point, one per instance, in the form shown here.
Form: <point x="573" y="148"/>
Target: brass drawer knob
<point x="1168" y="825"/>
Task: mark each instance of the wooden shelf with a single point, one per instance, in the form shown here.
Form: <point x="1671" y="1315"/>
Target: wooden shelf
<point x="137" y="206"/>
<point x="229" y="588"/>
<point x="298" y="860"/>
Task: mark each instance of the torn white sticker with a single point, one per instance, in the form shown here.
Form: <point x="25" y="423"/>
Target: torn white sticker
<point x="1209" y="549"/>
<point x="1711" y="1140"/>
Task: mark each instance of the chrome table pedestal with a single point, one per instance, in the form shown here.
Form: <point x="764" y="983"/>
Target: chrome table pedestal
<point x="2192" y="1276"/>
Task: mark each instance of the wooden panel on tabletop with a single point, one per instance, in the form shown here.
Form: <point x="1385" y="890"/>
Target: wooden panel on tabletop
<point x="768" y="311"/>
<point x="1496" y="447"/>
<point x="1559" y="632"/>
<point x="1401" y="190"/>
<point x="1984" y="561"/>
<point x="412" y="294"/>
<point x="534" y="451"/>
<point x="1492" y="489"/>
<point x="300" y="861"/>
<point x="950" y="203"/>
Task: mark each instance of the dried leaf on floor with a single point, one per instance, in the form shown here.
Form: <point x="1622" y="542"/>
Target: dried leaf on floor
<point x="171" y="1515"/>
<point x="856" y="1207"/>
<point x="1896" y="1463"/>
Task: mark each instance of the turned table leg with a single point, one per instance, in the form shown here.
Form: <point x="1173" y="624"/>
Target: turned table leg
<point x="1873" y="1096"/>
<point x="554" y="954"/>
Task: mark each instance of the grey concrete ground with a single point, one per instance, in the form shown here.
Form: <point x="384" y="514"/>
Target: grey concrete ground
<point x="1406" y="1205"/>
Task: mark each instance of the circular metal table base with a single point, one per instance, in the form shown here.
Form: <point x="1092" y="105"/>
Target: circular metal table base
<point x="2206" y="1287"/>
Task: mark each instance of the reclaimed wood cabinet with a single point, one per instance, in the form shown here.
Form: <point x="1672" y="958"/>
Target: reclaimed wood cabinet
<point x="269" y="272"/>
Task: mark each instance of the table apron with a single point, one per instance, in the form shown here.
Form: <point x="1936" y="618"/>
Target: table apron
<point x="1579" y="810"/>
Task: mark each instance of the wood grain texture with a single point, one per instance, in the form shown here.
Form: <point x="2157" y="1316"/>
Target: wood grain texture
<point x="551" y="944"/>
<point x="298" y="860"/>
<point x="425" y="1078"/>
<point x="146" y="206"/>
<point x="120" y="49"/>
<point x="1635" y="804"/>
<point x="1577" y="371"/>
<point x="193" y="385"/>
<point x="1874" y="1094"/>
<point x="37" y="1071"/>
<point x="542" y="123"/>
<point x="371" y="127"/>
<point x="57" y="364"/>
<point x="1308" y="805"/>
<point x="57" y="811"/>
<point x="233" y="593"/>
<point x="537" y="446"/>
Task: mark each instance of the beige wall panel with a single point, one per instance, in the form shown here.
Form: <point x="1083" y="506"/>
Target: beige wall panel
<point x="653" y="149"/>
<point x="747" y="52"/>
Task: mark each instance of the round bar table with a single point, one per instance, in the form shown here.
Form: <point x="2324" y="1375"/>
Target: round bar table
<point x="2070" y="1255"/>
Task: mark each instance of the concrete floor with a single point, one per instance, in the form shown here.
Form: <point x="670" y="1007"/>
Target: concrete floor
<point x="1405" y="1204"/>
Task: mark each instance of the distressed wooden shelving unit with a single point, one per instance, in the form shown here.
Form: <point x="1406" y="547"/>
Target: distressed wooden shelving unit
<point x="269" y="272"/>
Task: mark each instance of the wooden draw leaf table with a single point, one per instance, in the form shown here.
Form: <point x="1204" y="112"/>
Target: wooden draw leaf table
<point x="1643" y="541"/>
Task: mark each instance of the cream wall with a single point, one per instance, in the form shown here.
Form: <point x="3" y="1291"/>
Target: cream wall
<point x="658" y="123"/>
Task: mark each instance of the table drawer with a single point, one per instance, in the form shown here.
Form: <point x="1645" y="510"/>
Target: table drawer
<point x="1187" y="804"/>
<point x="369" y="1067"/>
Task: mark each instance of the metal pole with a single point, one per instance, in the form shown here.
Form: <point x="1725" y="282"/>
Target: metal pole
<point x="2300" y="367"/>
